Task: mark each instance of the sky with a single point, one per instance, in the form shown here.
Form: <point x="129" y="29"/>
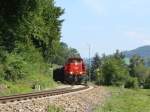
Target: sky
<point x="105" y="25"/>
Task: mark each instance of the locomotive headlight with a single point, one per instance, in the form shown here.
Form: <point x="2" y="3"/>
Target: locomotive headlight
<point x="71" y="72"/>
<point x="81" y="72"/>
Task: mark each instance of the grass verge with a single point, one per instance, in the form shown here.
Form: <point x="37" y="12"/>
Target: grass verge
<point x="126" y="100"/>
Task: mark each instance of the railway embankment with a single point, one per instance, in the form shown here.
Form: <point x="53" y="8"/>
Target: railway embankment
<point x="82" y="101"/>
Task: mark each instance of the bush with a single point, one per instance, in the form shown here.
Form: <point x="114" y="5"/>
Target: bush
<point x="114" y="72"/>
<point x="3" y="55"/>
<point x="131" y="82"/>
<point x="2" y="72"/>
<point x="147" y="83"/>
<point x="14" y="68"/>
<point x="23" y="72"/>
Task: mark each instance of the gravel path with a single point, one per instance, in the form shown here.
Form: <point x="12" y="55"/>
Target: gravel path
<point x="83" y="101"/>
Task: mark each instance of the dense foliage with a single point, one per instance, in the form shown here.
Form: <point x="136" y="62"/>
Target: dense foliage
<point x="112" y="70"/>
<point x="30" y="22"/>
<point x="96" y="64"/>
<point x="30" y="35"/>
<point x="63" y="53"/>
<point x="30" y="30"/>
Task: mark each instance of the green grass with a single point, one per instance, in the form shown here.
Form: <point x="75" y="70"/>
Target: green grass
<point x="25" y="71"/>
<point x="14" y="88"/>
<point x="27" y="85"/>
<point x="54" y="109"/>
<point x="126" y="100"/>
<point x="37" y="75"/>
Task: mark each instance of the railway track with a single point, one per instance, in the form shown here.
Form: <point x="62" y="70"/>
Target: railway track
<point x="34" y="95"/>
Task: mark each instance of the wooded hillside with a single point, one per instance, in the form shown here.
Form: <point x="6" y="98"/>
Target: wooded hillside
<point x="30" y="35"/>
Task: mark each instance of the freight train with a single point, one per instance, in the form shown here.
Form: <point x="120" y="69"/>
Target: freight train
<point x="73" y="72"/>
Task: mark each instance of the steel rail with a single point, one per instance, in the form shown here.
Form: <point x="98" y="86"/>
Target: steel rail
<point x="20" y="97"/>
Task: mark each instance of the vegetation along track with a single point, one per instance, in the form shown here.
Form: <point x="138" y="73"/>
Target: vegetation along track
<point x="20" y="97"/>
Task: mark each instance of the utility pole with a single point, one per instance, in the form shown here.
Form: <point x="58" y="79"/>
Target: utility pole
<point x="89" y="62"/>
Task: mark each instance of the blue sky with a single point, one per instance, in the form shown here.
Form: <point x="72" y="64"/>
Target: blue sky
<point x="106" y="25"/>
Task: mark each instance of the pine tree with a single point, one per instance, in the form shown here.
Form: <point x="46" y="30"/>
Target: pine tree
<point x="96" y="63"/>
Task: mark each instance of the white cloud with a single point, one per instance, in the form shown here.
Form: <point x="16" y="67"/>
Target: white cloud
<point x="95" y="5"/>
<point x="139" y="36"/>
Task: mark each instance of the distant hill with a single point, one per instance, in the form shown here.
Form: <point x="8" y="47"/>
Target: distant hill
<point x="143" y="51"/>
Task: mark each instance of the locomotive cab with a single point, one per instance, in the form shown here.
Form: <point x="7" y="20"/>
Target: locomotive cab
<point x="74" y="70"/>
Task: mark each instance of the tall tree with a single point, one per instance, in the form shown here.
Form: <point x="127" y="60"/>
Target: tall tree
<point x="138" y="69"/>
<point x="73" y="53"/>
<point x="63" y="53"/>
<point x="31" y="22"/>
<point x="135" y="62"/>
<point x="118" y="55"/>
<point x="114" y="71"/>
<point x="111" y="70"/>
<point x="30" y="34"/>
<point x="96" y="63"/>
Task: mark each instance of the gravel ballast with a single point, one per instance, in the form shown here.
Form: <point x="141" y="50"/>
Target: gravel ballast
<point x="83" y="101"/>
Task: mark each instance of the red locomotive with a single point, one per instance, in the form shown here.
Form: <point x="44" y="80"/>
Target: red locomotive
<point x="74" y="70"/>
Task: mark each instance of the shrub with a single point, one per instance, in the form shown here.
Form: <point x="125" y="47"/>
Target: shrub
<point x="14" y="68"/>
<point x="1" y="72"/>
<point x="147" y="83"/>
<point x="131" y="82"/>
<point x="3" y="55"/>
